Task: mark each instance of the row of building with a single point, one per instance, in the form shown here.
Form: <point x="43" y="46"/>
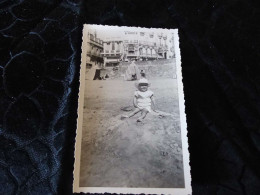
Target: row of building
<point x="133" y="46"/>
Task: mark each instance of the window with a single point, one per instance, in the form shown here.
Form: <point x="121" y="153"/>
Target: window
<point x="113" y="46"/>
<point x="131" y="47"/>
<point x="141" y="51"/>
<point x="91" y="37"/>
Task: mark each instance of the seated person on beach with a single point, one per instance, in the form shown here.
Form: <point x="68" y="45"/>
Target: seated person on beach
<point x="143" y="100"/>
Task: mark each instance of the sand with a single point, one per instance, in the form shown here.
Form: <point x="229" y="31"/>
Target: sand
<point x="124" y="153"/>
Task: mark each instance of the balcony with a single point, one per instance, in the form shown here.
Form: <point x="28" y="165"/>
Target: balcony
<point x="146" y="43"/>
<point x="111" y="53"/>
<point x="132" y="41"/>
<point x="98" y="43"/>
<point x="143" y="55"/>
<point x="132" y="55"/>
<point x="148" y="55"/>
<point x="92" y="53"/>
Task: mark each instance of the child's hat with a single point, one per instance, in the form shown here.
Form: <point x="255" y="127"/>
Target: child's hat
<point x="142" y="81"/>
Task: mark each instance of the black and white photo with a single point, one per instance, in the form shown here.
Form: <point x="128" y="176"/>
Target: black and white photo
<point x="131" y="131"/>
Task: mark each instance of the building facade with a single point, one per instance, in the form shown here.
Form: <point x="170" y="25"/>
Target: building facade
<point x="137" y="46"/>
<point x="94" y="50"/>
<point x="113" y="51"/>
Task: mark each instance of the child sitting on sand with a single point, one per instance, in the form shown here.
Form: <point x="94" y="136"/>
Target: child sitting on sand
<point x="143" y="100"/>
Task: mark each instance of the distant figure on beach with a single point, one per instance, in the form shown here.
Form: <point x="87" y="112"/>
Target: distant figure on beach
<point x="132" y="72"/>
<point x="143" y="100"/>
<point x="93" y="73"/>
<point x="142" y="74"/>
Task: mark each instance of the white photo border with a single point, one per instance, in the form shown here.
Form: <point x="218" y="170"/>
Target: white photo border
<point x="120" y="190"/>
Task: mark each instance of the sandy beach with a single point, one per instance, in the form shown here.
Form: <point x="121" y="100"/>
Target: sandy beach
<point x="124" y="153"/>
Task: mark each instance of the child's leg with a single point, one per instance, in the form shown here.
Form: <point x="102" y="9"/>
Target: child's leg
<point x="136" y="110"/>
<point x="143" y="115"/>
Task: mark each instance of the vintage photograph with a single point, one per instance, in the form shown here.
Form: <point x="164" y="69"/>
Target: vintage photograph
<point x="131" y="132"/>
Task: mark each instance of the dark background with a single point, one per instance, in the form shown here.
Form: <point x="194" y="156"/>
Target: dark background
<point x="40" y="45"/>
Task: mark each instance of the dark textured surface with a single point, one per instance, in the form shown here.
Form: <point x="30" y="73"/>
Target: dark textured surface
<point x="40" y="44"/>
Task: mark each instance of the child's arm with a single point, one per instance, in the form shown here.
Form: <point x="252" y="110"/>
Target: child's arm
<point x="153" y="103"/>
<point x="135" y="102"/>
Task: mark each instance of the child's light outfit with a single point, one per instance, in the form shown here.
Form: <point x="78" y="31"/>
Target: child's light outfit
<point x="144" y="100"/>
